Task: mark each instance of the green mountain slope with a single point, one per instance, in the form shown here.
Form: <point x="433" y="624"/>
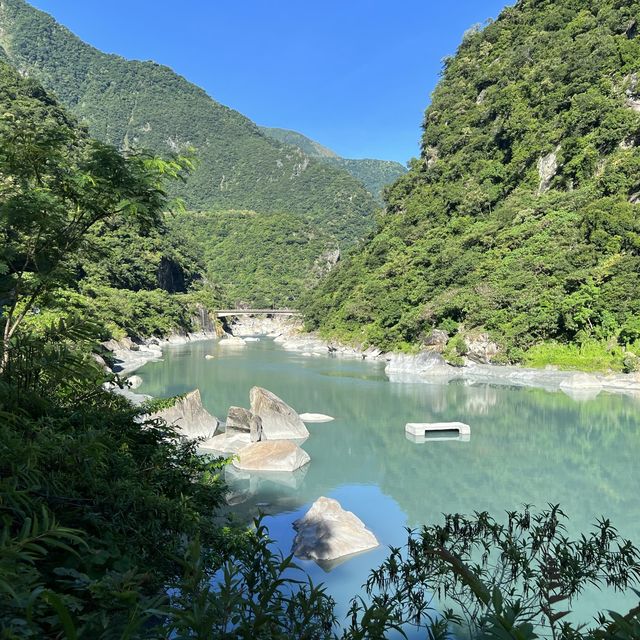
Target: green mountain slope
<point x="147" y="105"/>
<point x="521" y="217"/>
<point x="312" y="148"/>
<point x="374" y="174"/>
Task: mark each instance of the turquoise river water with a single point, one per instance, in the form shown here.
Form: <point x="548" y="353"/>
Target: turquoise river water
<point x="526" y="446"/>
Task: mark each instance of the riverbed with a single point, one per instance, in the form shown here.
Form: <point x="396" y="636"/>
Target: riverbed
<point x="527" y="446"/>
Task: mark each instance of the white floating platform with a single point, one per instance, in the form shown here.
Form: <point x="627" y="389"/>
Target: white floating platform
<point x="422" y="428"/>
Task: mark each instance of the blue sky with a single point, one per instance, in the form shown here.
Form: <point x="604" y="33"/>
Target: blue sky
<point x="355" y="75"/>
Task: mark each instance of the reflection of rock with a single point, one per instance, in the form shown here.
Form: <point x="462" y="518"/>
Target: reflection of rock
<point x="279" y="420"/>
<point x="209" y="357"/>
<point x="278" y="455"/>
<point x="253" y="482"/>
<point x="190" y="417"/>
<point x="328" y="532"/>
<point x="315" y="417"/>
<point x="581" y="381"/>
<point x="480" y="399"/>
<point x="241" y="420"/>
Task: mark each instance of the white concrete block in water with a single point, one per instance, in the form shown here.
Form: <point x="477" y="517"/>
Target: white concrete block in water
<point x="422" y="428"/>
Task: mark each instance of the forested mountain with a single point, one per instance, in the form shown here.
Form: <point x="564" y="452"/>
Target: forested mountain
<point x="521" y="216"/>
<point x="143" y="104"/>
<point x="374" y="174"/>
<point x="312" y="148"/>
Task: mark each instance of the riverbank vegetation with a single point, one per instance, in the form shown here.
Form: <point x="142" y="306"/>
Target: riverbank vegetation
<point x="520" y="218"/>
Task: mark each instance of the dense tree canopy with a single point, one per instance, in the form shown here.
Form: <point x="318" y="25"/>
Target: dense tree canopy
<point x="520" y="217"/>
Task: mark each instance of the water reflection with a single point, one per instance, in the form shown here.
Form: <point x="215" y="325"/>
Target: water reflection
<point x="528" y="445"/>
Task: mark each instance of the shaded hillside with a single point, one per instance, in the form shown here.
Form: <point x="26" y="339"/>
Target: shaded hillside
<point x="259" y="260"/>
<point x="521" y="216"/>
<point x="374" y="174"/>
<point x="129" y="103"/>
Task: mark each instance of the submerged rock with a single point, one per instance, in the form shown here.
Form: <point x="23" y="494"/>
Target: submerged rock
<point x="190" y="417"/>
<point x="315" y="417"/>
<point x="241" y="420"/>
<point x="278" y="455"/>
<point x="328" y="532"/>
<point x="581" y="381"/>
<point x="279" y="420"/>
<point x="232" y="341"/>
<point x="134" y="382"/>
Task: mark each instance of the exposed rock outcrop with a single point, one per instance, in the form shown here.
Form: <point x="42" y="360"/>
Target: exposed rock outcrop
<point x="278" y="455"/>
<point x="480" y="348"/>
<point x="241" y="420"/>
<point x="547" y="169"/>
<point x="190" y="417"/>
<point x="328" y="532"/>
<point x="436" y="340"/>
<point x="279" y="420"/>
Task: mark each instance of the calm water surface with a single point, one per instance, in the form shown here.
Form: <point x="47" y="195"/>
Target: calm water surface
<point x="527" y="446"/>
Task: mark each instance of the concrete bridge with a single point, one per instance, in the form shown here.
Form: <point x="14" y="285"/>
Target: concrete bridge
<point x="224" y="313"/>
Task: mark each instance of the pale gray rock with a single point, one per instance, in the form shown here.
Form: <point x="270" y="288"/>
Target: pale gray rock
<point x="315" y="417"/>
<point x="241" y="420"/>
<point x="436" y="340"/>
<point x="277" y="455"/>
<point x="190" y="417"/>
<point x="423" y="363"/>
<point x="328" y="532"/>
<point x="480" y="348"/>
<point x="226" y="444"/>
<point x="279" y="420"/>
<point x="547" y="169"/>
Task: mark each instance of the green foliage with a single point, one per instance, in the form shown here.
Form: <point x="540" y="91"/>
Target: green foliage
<point x="472" y="234"/>
<point x="260" y="260"/>
<point x="516" y="580"/>
<point x="133" y="104"/>
<point x="591" y="355"/>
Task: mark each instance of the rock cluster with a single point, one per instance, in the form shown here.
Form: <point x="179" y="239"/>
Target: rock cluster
<point x="190" y="417"/>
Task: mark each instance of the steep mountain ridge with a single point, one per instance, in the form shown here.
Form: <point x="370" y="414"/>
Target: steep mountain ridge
<point x="521" y="216"/>
<point x="374" y="174"/>
<point x="148" y="105"/>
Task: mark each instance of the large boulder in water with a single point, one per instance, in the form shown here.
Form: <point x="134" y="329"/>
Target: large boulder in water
<point x="279" y="455"/>
<point x="190" y="417"/>
<point x="328" y="532"/>
<point x="241" y="420"/>
<point x="279" y="420"/>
